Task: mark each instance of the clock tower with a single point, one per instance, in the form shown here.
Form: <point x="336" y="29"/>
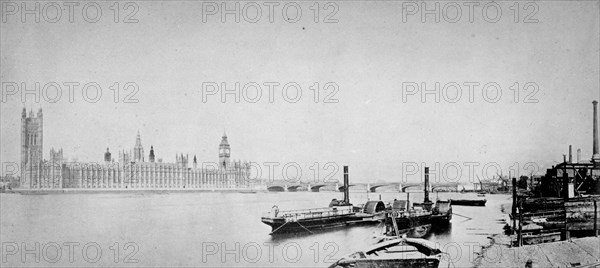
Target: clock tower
<point x="224" y="152"/>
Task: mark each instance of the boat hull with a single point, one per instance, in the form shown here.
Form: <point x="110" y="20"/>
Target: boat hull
<point x="405" y="252"/>
<point x="412" y="226"/>
<point x="441" y="219"/>
<point x="541" y="238"/>
<point x="463" y="202"/>
<point x="280" y="225"/>
<point x="385" y="263"/>
<point x="412" y="222"/>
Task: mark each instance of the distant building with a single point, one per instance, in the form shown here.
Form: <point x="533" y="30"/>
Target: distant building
<point x="107" y="156"/>
<point x="490" y="186"/>
<point x="151" y="156"/>
<point x="131" y="170"/>
<point x="582" y="177"/>
<point x="32" y="145"/>
<point x="224" y="152"/>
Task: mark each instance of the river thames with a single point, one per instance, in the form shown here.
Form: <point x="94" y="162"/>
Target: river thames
<point x="207" y="229"/>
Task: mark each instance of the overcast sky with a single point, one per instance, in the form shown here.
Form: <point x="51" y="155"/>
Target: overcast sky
<point x="369" y="53"/>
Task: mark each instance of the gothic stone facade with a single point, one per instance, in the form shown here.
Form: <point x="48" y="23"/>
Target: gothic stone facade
<point x="128" y="173"/>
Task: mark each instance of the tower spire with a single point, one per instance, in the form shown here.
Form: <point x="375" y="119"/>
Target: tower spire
<point x="151" y="157"/>
<point x="224" y="152"/>
<point x="107" y="156"/>
<point x="138" y="150"/>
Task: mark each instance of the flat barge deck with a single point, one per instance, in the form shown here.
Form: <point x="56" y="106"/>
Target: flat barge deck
<point x="308" y="220"/>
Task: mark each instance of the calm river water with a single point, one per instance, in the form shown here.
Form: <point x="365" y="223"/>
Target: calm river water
<point x="204" y="229"/>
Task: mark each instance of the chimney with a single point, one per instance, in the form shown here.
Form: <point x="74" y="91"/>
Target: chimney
<point x="426" y="197"/>
<point x="595" y="156"/>
<point x="578" y="155"/>
<point x="570" y="154"/>
<point x="346" y="187"/>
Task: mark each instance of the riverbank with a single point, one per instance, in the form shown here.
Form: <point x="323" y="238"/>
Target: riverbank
<point x="499" y="252"/>
<point x="578" y="252"/>
<point x="135" y="191"/>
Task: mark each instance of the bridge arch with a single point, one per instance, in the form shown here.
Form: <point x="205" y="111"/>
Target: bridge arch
<point x="373" y="188"/>
<point x="404" y="187"/>
<point x="341" y="188"/>
<point x="293" y="188"/>
<point x="317" y="188"/>
<point x="276" y="188"/>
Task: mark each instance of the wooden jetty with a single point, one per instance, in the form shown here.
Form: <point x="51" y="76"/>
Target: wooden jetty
<point x="557" y="218"/>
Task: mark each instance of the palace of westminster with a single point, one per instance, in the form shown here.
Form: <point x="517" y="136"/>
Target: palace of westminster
<point x="131" y="171"/>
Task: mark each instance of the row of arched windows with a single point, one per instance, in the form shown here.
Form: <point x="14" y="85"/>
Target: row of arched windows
<point x="32" y="139"/>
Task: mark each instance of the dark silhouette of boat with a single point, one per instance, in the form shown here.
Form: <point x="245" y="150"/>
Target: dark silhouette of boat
<point x="532" y="239"/>
<point x="413" y="223"/>
<point x="418" y="220"/>
<point x="441" y="213"/>
<point x="308" y="220"/>
<point x="398" y="253"/>
<point x="468" y="202"/>
<point x="339" y="213"/>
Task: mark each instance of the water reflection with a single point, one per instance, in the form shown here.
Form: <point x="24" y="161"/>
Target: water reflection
<point x="180" y="229"/>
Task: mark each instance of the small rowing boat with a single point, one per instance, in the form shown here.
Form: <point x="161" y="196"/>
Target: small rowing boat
<point x="399" y="253"/>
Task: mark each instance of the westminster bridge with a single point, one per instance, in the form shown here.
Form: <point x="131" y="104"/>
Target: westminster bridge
<point x="279" y="186"/>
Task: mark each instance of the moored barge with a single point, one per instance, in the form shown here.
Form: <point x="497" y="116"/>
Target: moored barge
<point x="339" y="213"/>
<point x="469" y="202"/>
<point x="308" y="220"/>
<point x="413" y="223"/>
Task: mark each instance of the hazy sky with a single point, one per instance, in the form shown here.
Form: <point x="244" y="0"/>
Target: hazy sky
<point x="369" y="53"/>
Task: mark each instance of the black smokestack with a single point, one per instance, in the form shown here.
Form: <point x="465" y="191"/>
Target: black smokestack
<point x="595" y="156"/>
<point x="426" y="197"/>
<point x="570" y="154"/>
<point x="346" y="186"/>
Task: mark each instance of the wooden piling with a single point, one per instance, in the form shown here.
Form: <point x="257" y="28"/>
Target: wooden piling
<point x="566" y="199"/>
<point x="565" y="190"/>
<point x="426" y="186"/>
<point x="514" y="204"/>
<point x="596" y="218"/>
<point x="520" y="234"/>
<point x="567" y="233"/>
